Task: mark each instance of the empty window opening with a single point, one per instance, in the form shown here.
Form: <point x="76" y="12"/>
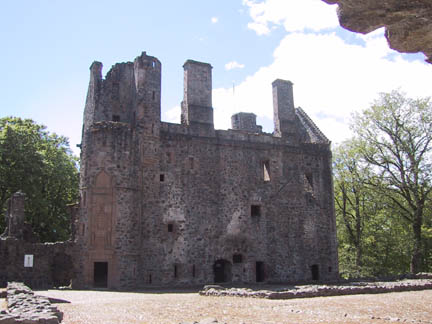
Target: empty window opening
<point x="266" y="170"/>
<point x="84" y="198"/>
<point x="100" y="274"/>
<point x="255" y="210"/>
<point x="153" y="64"/>
<point x="162" y="177"/>
<point x="82" y="229"/>
<point x="259" y="271"/>
<point x="237" y="258"/>
<point x="153" y="95"/>
<point x="191" y="163"/>
<point x="115" y="118"/>
<point x="193" y="271"/>
<point x="222" y="271"/>
<point x="330" y="269"/>
<point x="315" y="272"/>
<point x="150" y="279"/>
<point x="309" y="178"/>
<point x="175" y="271"/>
<point x="170" y="228"/>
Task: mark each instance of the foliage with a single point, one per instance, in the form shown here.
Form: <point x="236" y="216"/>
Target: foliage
<point x="42" y="166"/>
<point x="383" y="188"/>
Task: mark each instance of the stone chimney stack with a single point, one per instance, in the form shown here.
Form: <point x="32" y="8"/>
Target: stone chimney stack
<point x="197" y="95"/>
<point x="283" y="107"/>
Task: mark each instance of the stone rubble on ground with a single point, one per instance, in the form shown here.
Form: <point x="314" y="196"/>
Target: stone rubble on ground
<point x="23" y="306"/>
<point x="309" y="291"/>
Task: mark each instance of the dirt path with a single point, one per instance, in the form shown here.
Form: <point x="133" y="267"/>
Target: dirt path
<point x="118" y="307"/>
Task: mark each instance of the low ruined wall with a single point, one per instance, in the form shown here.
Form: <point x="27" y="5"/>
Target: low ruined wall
<point x="52" y="263"/>
<point x="26" y="307"/>
<point x="309" y="291"/>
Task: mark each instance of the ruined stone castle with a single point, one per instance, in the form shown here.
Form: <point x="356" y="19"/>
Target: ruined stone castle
<point x="184" y="204"/>
<point x="166" y="203"/>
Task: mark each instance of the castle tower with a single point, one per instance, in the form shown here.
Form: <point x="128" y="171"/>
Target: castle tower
<point x="283" y="108"/>
<point x="120" y="135"/>
<point x="197" y="95"/>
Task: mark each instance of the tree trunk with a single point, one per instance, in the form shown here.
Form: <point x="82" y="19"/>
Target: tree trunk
<point x="416" y="258"/>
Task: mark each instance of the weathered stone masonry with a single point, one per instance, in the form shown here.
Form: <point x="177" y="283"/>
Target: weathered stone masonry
<point x="165" y="203"/>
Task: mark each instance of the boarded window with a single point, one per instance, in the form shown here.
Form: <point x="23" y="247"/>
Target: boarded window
<point x="255" y="210"/>
<point x="266" y="170"/>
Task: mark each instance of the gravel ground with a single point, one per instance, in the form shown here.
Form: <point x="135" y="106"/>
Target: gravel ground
<point x="121" y="307"/>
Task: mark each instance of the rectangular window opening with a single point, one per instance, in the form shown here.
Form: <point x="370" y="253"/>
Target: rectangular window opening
<point x="175" y="271"/>
<point x="193" y="271"/>
<point x="237" y="258"/>
<point x="266" y="170"/>
<point x="170" y="228"/>
<point x="255" y="210"/>
<point x="153" y="95"/>
<point x="162" y="177"/>
<point x="309" y="178"/>
<point x="115" y="118"/>
<point x="191" y="163"/>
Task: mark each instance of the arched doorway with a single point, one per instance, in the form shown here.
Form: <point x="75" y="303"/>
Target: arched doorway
<point x="222" y="271"/>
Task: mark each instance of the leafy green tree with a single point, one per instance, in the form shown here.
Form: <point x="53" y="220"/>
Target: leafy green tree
<point x="41" y="165"/>
<point x="394" y="137"/>
<point x="355" y="206"/>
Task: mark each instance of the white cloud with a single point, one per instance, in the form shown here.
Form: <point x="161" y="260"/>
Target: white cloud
<point x="214" y="20"/>
<point x="331" y="80"/>
<point x="233" y="65"/>
<point x="292" y="15"/>
<point x="172" y="115"/>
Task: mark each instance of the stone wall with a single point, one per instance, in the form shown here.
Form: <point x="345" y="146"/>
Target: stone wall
<point x="176" y="204"/>
<point x="23" y="306"/>
<point x="52" y="263"/>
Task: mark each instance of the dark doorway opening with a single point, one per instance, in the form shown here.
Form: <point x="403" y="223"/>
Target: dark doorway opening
<point x="222" y="271"/>
<point x="259" y="271"/>
<point x="100" y="273"/>
<point x="315" y="272"/>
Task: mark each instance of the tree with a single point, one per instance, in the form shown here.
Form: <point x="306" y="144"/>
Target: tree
<point x="354" y="203"/>
<point x="41" y="165"/>
<point x="394" y="136"/>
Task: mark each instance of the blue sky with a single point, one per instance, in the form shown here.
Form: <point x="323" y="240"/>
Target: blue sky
<point x="48" y="46"/>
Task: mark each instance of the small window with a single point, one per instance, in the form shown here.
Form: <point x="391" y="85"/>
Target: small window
<point x="193" y="271"/>
<point x="162" y="177"/>
<point x="153" y="64"/>
<point x="266" y="170"/>
<point x="255" y="210"/>
<point x="170" y="228"/>
<point x="191" y="163"/>
<point x="175" y="271"/>
<point x="309" y="178"/>
<point x="153" y="95"/>
<point x="237" y="258"/>
<point x="330" y="269"/>
<point x="115" y="118"/>
<point x="150" y="279"/>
